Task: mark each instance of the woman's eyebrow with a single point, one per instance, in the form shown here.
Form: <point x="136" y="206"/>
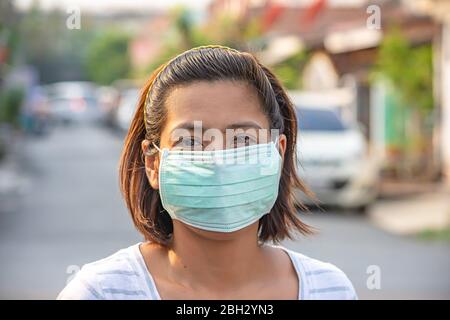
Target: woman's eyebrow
<point x="185" y="125"/>
<point x="244" y="124"/>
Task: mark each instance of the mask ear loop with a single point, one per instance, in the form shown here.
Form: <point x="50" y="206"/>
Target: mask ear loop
<point x="151" y="151"/>
<point x="163" y="152"/>
<point x="277" y="142"/>
<point x="156" y="147"/>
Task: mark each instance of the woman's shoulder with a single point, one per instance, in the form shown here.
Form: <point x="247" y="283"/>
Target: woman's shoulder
<point x="116" y="276"/>
<point x="321" y="280"/>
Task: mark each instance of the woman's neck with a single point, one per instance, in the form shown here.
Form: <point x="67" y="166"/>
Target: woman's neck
<point x="196" y="260"/>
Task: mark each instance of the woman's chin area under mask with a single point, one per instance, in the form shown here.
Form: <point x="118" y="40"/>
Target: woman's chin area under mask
<point x="183" y="229"/>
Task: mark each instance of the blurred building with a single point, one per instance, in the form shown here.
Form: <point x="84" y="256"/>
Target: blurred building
<point x="440" y="11"/>
<point x="342" y="45"/>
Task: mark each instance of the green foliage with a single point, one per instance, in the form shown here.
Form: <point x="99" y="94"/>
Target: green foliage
<point x="228" y="31"/>
<point x="436" y="235"/>
<point x="108" y="58"/>
<point x="289" y="71"/>
<point x="186" y="33"/>
<point x="55" y="51"/>
<point x="409" y="69"/>
<point x="8" y="30"/>
<point x="10" y="104"/>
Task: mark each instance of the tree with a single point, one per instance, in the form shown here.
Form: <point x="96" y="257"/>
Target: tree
<point x="289" y="70"/>
<point x="409" y="72"/>
<point x="409" y="69"/>
<point x="184" y="34"/>
<point x="188" y="33"/>
<point x="108" y="58"/>
<point x="45" y="42"/>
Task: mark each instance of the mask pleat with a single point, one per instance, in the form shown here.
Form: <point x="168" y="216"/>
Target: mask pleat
<point x="222" y="201"/>
<point x="224" y="220"/>
<point x="209" y="176"/>
<point x="221" y="190"/>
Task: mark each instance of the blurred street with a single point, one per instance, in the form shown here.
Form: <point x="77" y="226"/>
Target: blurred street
<point x="68" y="211"/>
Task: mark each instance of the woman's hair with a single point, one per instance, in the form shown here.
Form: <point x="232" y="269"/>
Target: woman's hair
<point x="208" y="63"/>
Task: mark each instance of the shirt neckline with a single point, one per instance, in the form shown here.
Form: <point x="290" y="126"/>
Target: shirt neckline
<point x="151" y="284"/>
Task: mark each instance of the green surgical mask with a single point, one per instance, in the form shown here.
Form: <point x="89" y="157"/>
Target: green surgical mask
<point x="223" y="190"/>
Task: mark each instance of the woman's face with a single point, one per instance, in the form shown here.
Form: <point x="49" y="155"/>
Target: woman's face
<point x="198" y="116"/>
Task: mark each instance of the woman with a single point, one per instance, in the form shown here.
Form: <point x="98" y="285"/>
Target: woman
<point x="209" y="206"/>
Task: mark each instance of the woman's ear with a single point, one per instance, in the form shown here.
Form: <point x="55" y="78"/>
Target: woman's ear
<point x="282" y="142"/>
<point x="151" y="162"/>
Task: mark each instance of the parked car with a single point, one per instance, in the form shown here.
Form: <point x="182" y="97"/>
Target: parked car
<point x="107" y="97"/>
<point x="333" y="159"/>
<point x="123" y="103"/>
<point x="126" y="108"/>
<point x="73" y="102"/>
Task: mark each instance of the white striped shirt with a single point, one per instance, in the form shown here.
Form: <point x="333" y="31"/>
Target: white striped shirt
<point x="124" y="275"/>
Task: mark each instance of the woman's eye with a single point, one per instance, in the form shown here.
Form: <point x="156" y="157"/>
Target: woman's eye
<point x="189" y="143"/>
<point x="244" y="141"/>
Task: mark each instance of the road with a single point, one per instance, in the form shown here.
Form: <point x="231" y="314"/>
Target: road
<point x="69" y="212"/>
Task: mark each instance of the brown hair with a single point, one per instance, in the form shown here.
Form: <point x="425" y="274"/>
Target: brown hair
<point x="208" y="63"/>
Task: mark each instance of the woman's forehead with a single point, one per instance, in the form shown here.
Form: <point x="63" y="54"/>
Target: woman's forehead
<point x="218" y="104"/>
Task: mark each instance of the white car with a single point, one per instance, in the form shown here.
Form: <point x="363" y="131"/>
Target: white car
<point x="72" y="102"/>
<point x="129" y="99"/>
<point x="333" y="159"/>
